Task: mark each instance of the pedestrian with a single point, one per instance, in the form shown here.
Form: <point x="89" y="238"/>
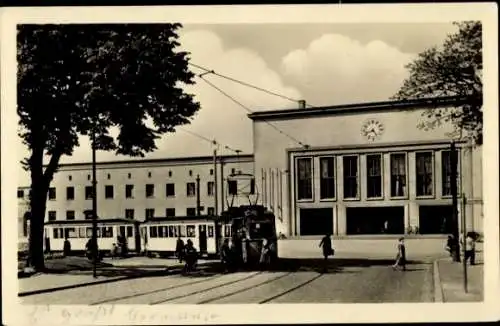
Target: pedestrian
<point x="264" y="253"/>
<point x="386" y="226"/>
<point x="225" y="255"/>
<point x="450" y="245"/>
<point x="190" y="256"/>
<point x="179" y="249"/>
<point x="401" y="255"/>
<point x="470" y="249"/>
<point x="66" y="247"/>
<point x="326" y="244"/>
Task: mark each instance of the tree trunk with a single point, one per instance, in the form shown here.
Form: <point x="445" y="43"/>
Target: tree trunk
<point x="38" y="204"/>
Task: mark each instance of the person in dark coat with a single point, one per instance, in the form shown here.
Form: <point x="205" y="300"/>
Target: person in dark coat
<point x="179" y="249"/>
<point x="401" y="255"/>
<point x="67" y="247"/>
<point x="225" y="253"/>
<point x="326" y="245"/>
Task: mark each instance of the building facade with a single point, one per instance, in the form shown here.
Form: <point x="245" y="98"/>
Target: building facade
<point x="144" y="189"/>
<point x="363" y="169"/>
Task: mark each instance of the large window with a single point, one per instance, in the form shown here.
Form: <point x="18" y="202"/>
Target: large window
<point x="304" y="178"/>
<point x="51" y="215"/>
<point x="88" y="192"/>
<point x="446" y="173"/>
<point x="350" y="176"/>
<point x="52" y="193"/>
<point x="70" y="193"/>
<point x="327" y="172"/>
<point x="190" y="189"/>
<point x="108" y="192"/>
<point x="150" y="190"/>
<point x="398" y="175"/>
<point x="374" y="176"/>
<point x="425" y="185"/>
<point x="129" y="189"/>
<point x="170" y="189"/>
<point x="210" y="188"/>
<point x="70" y="215"/>
<point x="150" y="213"/>
<point x="129" y="213"/>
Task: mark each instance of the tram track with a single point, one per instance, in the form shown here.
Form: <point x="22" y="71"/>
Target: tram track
<point x="171" y="287"/>
<point x="207" y="289"/>
<point x="290" y="290"/>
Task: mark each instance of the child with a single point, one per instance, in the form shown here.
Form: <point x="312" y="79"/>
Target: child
<point x="401" y="256"/>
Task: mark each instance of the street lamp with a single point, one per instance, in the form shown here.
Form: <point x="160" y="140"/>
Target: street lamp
<point x="95" y="250"/>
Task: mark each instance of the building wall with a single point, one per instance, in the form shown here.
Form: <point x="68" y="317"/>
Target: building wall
<point x="139" y="174"/>
<point x="340" y="134"/>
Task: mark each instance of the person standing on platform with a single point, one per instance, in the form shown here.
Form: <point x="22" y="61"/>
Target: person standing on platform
<point x="179" y="249"/>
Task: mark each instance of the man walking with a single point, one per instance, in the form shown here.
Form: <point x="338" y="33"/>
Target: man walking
<point x="401" y="255"/>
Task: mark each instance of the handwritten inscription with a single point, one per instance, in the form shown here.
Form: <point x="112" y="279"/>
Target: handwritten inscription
<point x="105" y="314"/>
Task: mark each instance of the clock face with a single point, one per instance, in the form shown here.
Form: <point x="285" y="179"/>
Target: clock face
<point x="372" y="129"/>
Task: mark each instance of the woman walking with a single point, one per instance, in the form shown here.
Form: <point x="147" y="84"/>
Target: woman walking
<point x="326" y="244"/>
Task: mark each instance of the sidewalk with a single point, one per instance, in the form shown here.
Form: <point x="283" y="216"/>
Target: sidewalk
<point x="451" y="279"/>
<point x="121" y="269"/>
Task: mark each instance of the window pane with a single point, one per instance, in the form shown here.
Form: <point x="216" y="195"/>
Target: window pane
<point x="190" y="231"/>
<point x="327" y="182"/>
<point x="350" y="176"/>
<point x="374" y="176"/>
<point x="398" y="175"/>
<point x="183" y="231"/>
<point x="304" y="178"/>
<point x="130" y="232"/>
<point x="446" y="173"/>
<point x="424" y="174"/>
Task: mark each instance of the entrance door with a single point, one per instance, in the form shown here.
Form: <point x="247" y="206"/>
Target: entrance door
<point x="316" y="221"/>
<point x="203" y="238"/>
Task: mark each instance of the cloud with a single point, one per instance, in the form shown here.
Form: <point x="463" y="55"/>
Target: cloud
<point x="219" y="118"/>
<point x="335" y="69"/>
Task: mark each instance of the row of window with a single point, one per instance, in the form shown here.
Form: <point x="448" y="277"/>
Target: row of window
<point x="374" y="176"/>
<point x="130" y="213"/>
<point x="175" y="231"/>
<point x="86" y="232"/>
<point x="109" y="192"/>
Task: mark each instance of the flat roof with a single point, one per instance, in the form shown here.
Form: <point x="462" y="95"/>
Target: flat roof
<point x="399" y="105"/>
<point x="177" y="160"/>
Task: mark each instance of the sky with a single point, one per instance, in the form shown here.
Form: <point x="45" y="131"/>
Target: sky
<point x="324" y="64"/>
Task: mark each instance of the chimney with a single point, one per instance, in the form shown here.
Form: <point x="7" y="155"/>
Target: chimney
<point x="302" y="104"/>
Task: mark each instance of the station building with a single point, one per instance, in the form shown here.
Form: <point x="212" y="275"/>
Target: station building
<point x="141" y="189"/>
<point x="363" y="169"/>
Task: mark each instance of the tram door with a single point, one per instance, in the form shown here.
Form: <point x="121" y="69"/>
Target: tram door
<point x="202" y="231"/>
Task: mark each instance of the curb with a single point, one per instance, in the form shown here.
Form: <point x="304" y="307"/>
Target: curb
<point x="438" y="289"/>
<point x="117" y="279"/>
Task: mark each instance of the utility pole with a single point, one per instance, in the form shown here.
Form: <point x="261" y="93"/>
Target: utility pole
<point x="216" y="194"/>
<point x="95" y="250"/>
<point x="454" y="194"/>
<point x="222" y="184"/>
<point x="464" y="235"/>
<point x="198" y="207"/>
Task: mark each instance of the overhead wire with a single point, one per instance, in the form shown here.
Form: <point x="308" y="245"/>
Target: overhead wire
<point x="212" y="141"/>
<point x="211" y="71"/>
<point x="250" y="111"/>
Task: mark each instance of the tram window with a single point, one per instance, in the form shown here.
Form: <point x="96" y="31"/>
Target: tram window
<point x="71" y="233"/>
<point x="176" y="231"/>
<point x="182" y="230"/>
<point x="153" y="232"/>
<point x="107" y="232"/>
<point x="130" y="232"/>
<point x="122" y="230"/>
<point x="261" y="230"/>
<point x="56" y="234"/>
<point x="89" y="232"/>
<point x="191" y="231"/>
<point x="171" y="231"/>
<point x="161" y="234"/>
<point x="81" y="232"/>
<point x="210" y="231"/>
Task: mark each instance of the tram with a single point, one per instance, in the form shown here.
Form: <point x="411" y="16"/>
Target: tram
<point x="251" y="226"/>
<point x="159" y="235"/>
<point x="78" y="233"/>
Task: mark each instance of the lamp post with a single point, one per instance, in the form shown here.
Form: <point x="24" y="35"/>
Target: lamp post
<point x="198" y="206"/>
<point x="454" y="194"/>
<point x="95" y="250"/>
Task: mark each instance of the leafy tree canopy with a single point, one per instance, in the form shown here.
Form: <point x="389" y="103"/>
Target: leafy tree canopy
<point x="453" y="69"/>
<point x="73" y="79"/>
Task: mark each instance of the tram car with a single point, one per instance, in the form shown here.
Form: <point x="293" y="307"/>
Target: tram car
<point x="251" y="227"/>
<point x="159" y="235"/>
<point x="79" y="232"/>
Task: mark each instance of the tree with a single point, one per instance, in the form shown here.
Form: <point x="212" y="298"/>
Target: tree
<point x="454" y="69"/>
<point x="73" y="79"/>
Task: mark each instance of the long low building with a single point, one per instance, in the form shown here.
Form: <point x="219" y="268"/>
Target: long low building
<point x="363" y="169"/>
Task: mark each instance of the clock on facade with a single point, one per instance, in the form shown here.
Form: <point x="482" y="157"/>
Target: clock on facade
<point x="372" y="129"/>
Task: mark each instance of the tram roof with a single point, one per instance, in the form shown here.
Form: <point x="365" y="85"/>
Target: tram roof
<point x="89" y="222"/>
<point x="201" y="218"/>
